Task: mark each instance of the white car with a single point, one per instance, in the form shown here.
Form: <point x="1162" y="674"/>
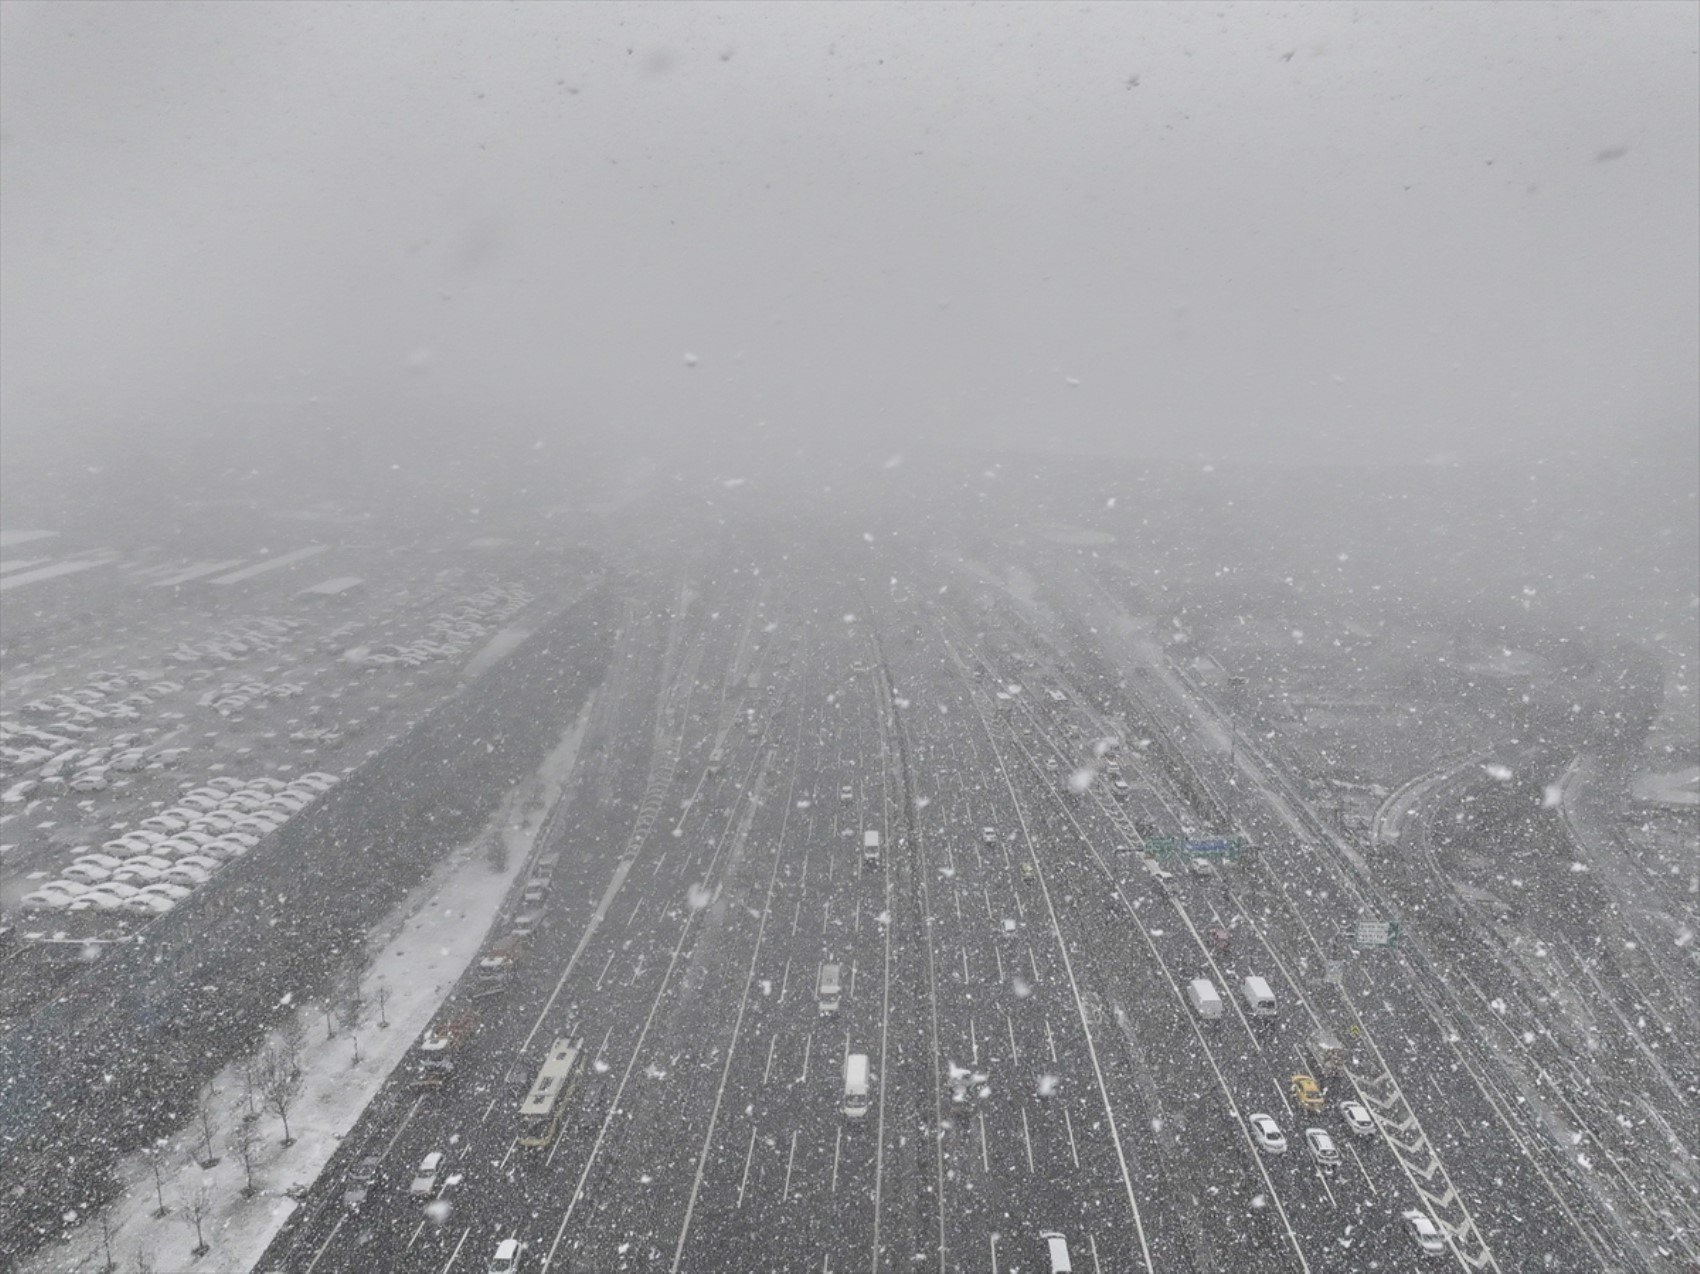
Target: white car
<point x="46" y="900"/>
<point x="146" y="904"/>
<point x="1424" y="1233"/>
<point x="166" y="823"/>
<point x="1357" y="1119"/>
<point x="146" y="873"/>
<point x="225" y="783"/>
<point x="130" y="761"/>
<point x="168" y="889"/>
<point x="18" y="793"/>
<point x="426" y="1178"/>
<point x="1268" y="1135"/>
<point x="186" y="874"/>
<point x="107" y="861"/>
<point x="507" y="1257"/>
<point x="87" y="873"/>
<point x="319" y="779"/>
<point x="240" y="838"/>
<point x="1322" y="1147"/>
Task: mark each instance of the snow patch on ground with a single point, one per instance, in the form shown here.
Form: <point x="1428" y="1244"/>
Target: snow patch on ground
<point x="493" y="652"/>
<point x="455" y="908"/>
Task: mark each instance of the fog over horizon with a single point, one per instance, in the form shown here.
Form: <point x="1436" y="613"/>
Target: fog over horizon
<point x="305" y="235"/>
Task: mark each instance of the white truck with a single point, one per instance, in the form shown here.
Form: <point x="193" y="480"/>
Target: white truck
<point x="1201" y="994"/>
<point x="870" y="849"/>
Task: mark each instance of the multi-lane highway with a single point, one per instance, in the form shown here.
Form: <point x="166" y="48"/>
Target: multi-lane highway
<point x="1011" y="965"/>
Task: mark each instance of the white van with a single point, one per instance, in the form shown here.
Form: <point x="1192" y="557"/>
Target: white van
<point x="1258" y="997"/>
<point x="1205" y="1002"/>
<point x="870" y="849"/>
<point x="1057" y="1248"/>
<point x="827" y="988"/>
<point x="856" y="1085"/>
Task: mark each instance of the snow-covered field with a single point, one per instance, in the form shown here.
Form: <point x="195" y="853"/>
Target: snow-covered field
<point x="418" y="953"/>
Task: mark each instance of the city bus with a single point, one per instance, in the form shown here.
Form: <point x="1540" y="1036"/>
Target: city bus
<point x="540" y="1112"/>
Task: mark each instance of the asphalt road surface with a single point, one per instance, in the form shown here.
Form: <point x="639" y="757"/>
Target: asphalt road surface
<point x="1011" y="968"/>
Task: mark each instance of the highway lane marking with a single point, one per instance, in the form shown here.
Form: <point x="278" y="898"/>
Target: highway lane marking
<point x="1073" y="1150"/>
<point x="745" y="1179"/>
<point x="966" y="980"/>
<point x="614" y="883"/>
<point x="605" y="968"/>
<point x="406" y="1119"/>
<point x="415" y="1237"/>
<point x="619" y="1091"/>
<point x="1074" y="987"/>
<point x="985" y="1157"/>
<point x="1282" y="1095"/>
<point x="743" y="1007"/>
<point x="837" y="1146"/>
<point x="997" y="957"/>
<point x="785" y="1195"/>
<point x="784" y="981"/>
<point x="1368" y="1180"/>
<point x="1027" y="1140"/>
<point x="1033" y="964"/>
<point x="993" y="1239"/>
<point x="1092" y="1244"/>
<point x="1050" y="1039"/>
<point x="455" y="1255"/>
<point x="325" y="1246"/>
<point x="1068" y="969"/>
<point x="767" y="1070"/>
<point x="851" y="993"/>
<point x="486" y="1115"/>
<point x="808" y="1043"/>
<point x="1323" y="1177"/>
<point x="973" y="1043"/>
<point x="1014" y="1051"/>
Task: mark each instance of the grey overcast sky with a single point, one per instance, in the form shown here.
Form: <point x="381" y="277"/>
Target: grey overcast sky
<point x="1272" y="231"/>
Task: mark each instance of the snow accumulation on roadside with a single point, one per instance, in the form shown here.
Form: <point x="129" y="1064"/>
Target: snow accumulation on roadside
<point x="341" y="1072"/>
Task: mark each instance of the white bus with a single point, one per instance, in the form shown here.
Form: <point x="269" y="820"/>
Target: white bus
<point x="540" y="1112"/>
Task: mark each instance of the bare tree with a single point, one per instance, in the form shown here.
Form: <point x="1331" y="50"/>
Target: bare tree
<point x="208" y="1127"/>
<point x="158" y="1182"/>
<point x="251" y="1089"/>
<point x="280" y="1085"/>
<point x="144" y="1261"/>
<point x="245" y="1142"/>
<point x="292" y="1037"/>
<point x="199" y="1203"/>
<point x="383" y="998"/>
<point x="352" y="1006"/>
<point x="106" y="1245"/>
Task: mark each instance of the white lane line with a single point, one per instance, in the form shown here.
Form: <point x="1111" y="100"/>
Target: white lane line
<point x="1323" y="1177"/>
<point x="808" y="1044"/>
<point x="1073" y="1150"/>
<point x="1092" y="1243"/>
<point x="455" y="1255"/>
<point x="325" y="1246"/>
<point x="415" y="1237"/>
<point x="973" y="1044"/>
<point x="1027" y="1140"/>
<point x="1368" y="1180"/>
<point x="406" y="1119"/>
<point x="614" y="883"/>
<point x="605" y="968"/>
<point x="966" y="980"/>
<point x="837" y="1148"/>
<point x="744" y="1181"/>
<point x="767" y="1070"/>
<point x="992" y="1238"/>
<point x="1014" y="1051"/>
<point x="785" y="1195"/>
<point x="1074" y="988"/>
<point x="784" y="981"/>
<point x="738" y="1022"/>
<point x="1050" y="1040"/>
<point x="985" y="1157"/>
